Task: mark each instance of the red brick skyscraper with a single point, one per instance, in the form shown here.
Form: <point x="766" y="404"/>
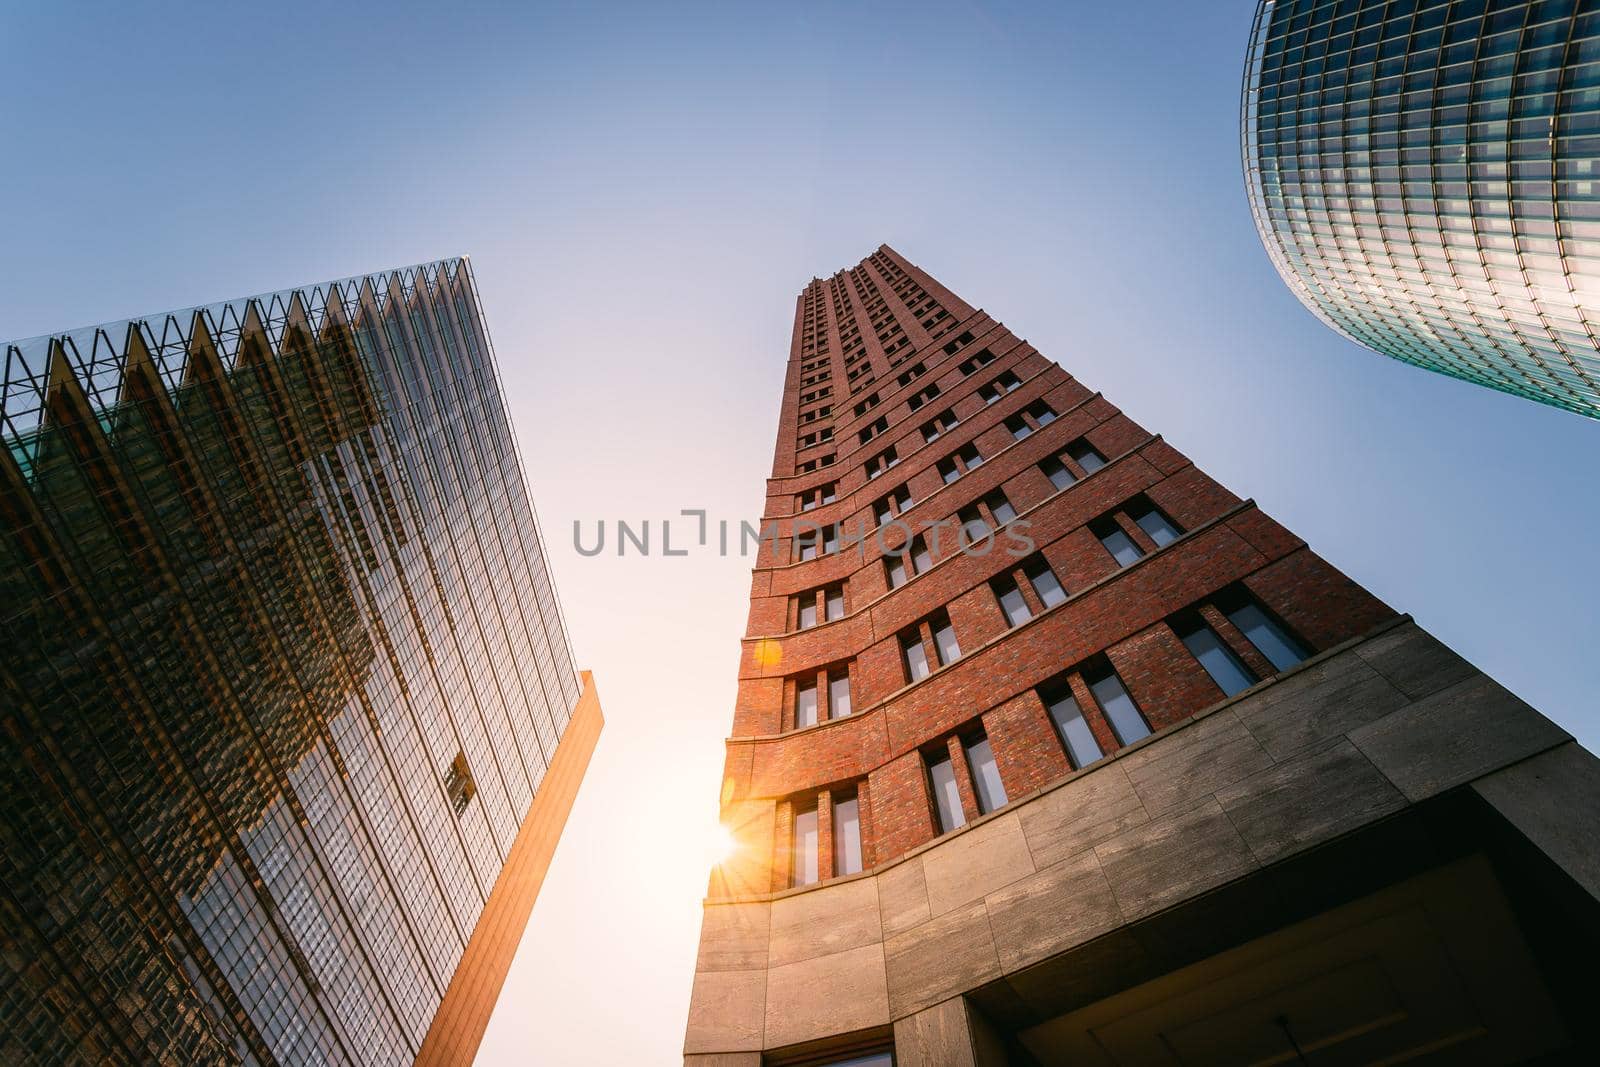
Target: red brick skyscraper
<point x="1105" y="765"/>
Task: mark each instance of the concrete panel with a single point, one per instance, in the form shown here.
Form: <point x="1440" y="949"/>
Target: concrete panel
<point x="725" y="1011"/>
<point x="829" y="919"/>
<point x="1080" y="814"/>
<point x="970" y="865"/>
<point x="1172" y="858"/>
<point x="1554" y="799"/>
<point x="733" y="937"/>
<point x="939" y="959"/>
<point x="1329" y="699"/>
<point x="826" y="995"/>
<point x="1179" y="771"/>
<point x="1454" y="736"/>
<point x="1054" y="910"/>
<point x="1415" y="661"/>
<point x="1307" y="800"/>
<point x="951" y="1034"/>
<point x="903" y="897"/>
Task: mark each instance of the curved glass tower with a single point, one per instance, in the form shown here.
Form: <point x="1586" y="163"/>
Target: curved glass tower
<point x="1426" y="177"/>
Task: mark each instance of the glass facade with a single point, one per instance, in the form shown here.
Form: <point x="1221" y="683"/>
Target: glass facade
<point x="283" y="671"/>
<point x="1425" y="176"/>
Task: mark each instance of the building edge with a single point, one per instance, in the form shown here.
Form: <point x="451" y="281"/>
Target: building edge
<point x="463" y="1016"/>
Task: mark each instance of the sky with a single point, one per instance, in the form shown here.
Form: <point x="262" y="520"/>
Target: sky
<point x="643" y="192"/>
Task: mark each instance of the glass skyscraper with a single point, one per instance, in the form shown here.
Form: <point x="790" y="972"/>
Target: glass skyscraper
<point x="283" y="676"/>
<point x="1425" y="175"/>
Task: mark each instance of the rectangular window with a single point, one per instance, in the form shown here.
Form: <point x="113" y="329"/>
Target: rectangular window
<point x="944" y="639"/>
<point x="839" y="694"/>
<point x="1117" y="542"/>
<point x="1057" y="472"/>
<point x="911" y="560"/>
<point x="808" y="611"/>
<point x="915" y="656"/>
<point x="1019" y="427"/>
<point x="805" y="704"/>
<point x="1270" y="639"/>
<point x="1086" y="456"/>
<point x="894" y="503"/>
<point x="974" y="527"/>
<point x="1000" y="508"/>
<point x="1207" y="646"/>
<point x="941" y="423"/>
<point x="912" y="374"/>
<point x="833" y="599"/>
<point x="846" y="836"/>
<point x="1011" y="600"/>
<point x="946" y="797"/>
<point x="804" y="871"/>
<point x="1082" y="748"/>
<point x="873" y="429"/>
<point x="1126" y="720"/>
<point x="826" y="539"/>
<point x="948" y="471"/>
<point x="866" y="405"/>
<point x="985" y="776"/>
<point x="1162" y="530"/>
<point x="1041" y="413"/>
<point x="882" y="462"/>
<point x="1044" y="583"/>
<point x="982" y="359"/>
<point x="954" y="346"/>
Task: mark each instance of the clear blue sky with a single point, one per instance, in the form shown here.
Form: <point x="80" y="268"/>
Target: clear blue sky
<point x="643" y="192"/>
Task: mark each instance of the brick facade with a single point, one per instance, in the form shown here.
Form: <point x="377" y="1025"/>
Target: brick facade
<point x="1116" y="612"/>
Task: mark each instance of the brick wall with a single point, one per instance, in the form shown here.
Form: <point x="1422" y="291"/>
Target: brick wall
<point x="1113" y="612"/>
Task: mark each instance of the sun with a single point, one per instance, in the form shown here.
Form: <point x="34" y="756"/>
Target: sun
<point x="720" y="844"/>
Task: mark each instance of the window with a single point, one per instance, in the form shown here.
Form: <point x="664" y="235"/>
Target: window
<point x="1086" y="456"/>
<point x="825" y="539"/>
<point x="823" y="494"/>
<point x="911" y="374"/>
<point x="804" y="869"/>
<point x="895" y="503"/>
<point x="973" y="527"/>
<point x="1117" y="542"/>
<point x="833" y="602"/>
<point x="1035" y="416"/>
<point x="873" y="429"/>
<point x="913" y="559"/>
<point x="846" y="836"/>
<point x="985" y="775"/>
<point x="882" y="462"/>
<point x="1012" y="604"/>
<point x="808" y="612"/>
<point x="915" y="656"/>
<point x="921" y="397"/>
<point x="960" y="462"/>
<point x="982" y="359"/>
<point x="1162" y="530"/>
<point x="1115" y="702"/>
<point x="941" y="423"/>
<point x="1269" y="637"/>
<point x="946" y="796"/>
<point x="944" y="639"/>
<point x="805" y="704"/>
<point x="866" y="405"/>
<point x="839" y="693"/>
<point x="954" y="346"/>
<point x="999" y="507"/>
<point x="1207" y="646"/>
<point x="1082" y="748"/>
<point x="999" y="387"/>
<point x="1044" y="582"/>
<point x="458" y="784"/>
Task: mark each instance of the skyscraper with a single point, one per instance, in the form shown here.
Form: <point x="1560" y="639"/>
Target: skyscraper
<point x="1423" y="174"/>
<point x="1049" y="749"/>
<point x="290" y="719"/>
